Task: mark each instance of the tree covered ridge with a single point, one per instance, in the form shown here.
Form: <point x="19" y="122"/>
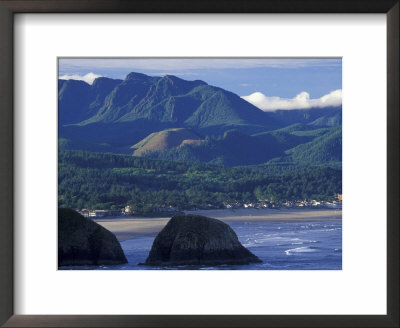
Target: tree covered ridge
<point x="110" y="181"/>
<point x="234" y="148"/>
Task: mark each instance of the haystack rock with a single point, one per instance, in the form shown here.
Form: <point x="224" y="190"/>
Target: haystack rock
<point x="198" y="240"/>
<point x="84" y="242"/>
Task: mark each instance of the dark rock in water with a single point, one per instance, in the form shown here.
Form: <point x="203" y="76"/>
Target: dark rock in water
<point x="198" y="240"/>
<point x="84" y="242"/>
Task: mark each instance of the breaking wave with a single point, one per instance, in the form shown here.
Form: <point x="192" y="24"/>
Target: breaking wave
<point x="304" y="249"/>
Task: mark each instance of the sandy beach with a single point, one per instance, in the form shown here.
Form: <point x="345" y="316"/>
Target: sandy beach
<point x="129" y="227"/>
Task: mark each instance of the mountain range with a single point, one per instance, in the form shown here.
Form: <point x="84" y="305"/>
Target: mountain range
<point x="174" y="119"/>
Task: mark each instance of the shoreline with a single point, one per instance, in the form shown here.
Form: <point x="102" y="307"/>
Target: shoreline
<point x="126" y="228"/>
<point x="279" y="214"/>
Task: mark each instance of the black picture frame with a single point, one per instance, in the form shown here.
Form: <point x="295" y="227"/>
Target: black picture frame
<point x="10" y="7"/>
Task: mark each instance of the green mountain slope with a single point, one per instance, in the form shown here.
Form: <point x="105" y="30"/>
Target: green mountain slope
<point x="121" y="113"/>
<point x="174" y="119"/>
<point x="293" y="135"/>
<point x="232" y="149"/>
<point x="325" y="149"/>
<point x="167" y="139"/>
<point x="78" y="101"/>
<point x="167" y="99"/>
<point x="323" y="117"/>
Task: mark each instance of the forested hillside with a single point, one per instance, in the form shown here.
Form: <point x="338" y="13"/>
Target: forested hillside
<point x="101" y="180"/>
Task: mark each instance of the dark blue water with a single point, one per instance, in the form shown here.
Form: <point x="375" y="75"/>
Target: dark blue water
<point x="313" y="245"/>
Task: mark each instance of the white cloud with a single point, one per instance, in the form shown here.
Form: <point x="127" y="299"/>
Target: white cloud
<point x="88" y="78"/>
<point x="301" y="101"/>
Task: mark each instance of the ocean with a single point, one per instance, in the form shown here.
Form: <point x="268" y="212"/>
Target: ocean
<point x="290" y="245"/>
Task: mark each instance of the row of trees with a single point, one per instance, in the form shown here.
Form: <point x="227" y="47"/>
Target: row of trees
<point x="108" y="181"/>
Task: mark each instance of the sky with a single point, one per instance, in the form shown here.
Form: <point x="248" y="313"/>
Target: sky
<point x="268" y="83"/>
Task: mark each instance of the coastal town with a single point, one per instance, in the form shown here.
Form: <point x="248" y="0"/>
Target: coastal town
<point x="165" y="209"/>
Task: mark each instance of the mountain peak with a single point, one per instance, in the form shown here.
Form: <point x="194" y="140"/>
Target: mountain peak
<point x="171" y="77"/>
<point x="137" y="76"/>
<point x="100" y="81"/>
<point x="177" y="81"/>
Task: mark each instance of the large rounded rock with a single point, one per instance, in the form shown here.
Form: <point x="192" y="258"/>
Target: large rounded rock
<point x="84" y="242"/>
<point x="198" y="240"/>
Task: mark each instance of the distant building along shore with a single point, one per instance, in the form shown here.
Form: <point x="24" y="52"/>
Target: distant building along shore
<point x="127" y="210"/>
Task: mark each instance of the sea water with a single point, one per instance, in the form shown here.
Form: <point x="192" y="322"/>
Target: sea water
<point x="290" y="245"/>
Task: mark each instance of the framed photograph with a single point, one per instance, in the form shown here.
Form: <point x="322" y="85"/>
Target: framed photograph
<point x="252" y="182"/>
<point x="196" y="158"/>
